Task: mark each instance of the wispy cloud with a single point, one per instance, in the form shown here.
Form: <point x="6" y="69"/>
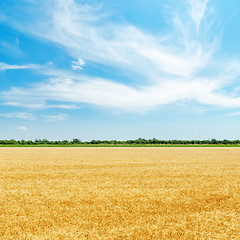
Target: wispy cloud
<point x="20" y="115"/>
<point x="163" y="68"/>
<point x="4" y="66"/>
<point x="9" y="48"/>
<point x="106" y="93"/>
<point x="78" y="65"/>
<point x="37" y="102"/>
<point x="55" y="118"/>
<point x="234" y="114"/>
<point x="22" y="128"/>
<point x="198" y="10"/>
<point x="76" y="27"/>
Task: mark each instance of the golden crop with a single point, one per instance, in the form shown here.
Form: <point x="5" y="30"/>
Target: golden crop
<point x="120" y="193"/>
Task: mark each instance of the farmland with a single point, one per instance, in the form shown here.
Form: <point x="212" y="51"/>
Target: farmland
<point x="120" y="193"/>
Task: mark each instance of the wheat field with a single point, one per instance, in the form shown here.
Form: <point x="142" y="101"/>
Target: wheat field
<point x="120" y="193"/>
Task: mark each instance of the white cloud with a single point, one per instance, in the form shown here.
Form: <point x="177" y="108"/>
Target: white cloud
<point x="106" y="93"/>
<point x="198" y="10"/>
<point x="78" y="65"/>
<point x="22" y="128"/>
<point x="164" y="69"/>
<point x="75" y="26"/>
<point x="4" y="66"/>
<point x="234" y="114"/>
<point x="36" y="103"/>
<point x="20" y="115"/>
<point x="55" y="118"/>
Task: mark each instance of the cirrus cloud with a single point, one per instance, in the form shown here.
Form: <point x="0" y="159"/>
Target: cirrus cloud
<point x="19" y="115"/>
<point x="157" y="69"/>
<point x="22" y="128"/>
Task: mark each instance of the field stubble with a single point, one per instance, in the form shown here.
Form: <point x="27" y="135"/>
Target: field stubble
<point x="120" y="193"/>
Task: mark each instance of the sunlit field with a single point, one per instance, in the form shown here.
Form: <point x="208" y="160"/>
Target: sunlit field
<point x="120" y="193"/>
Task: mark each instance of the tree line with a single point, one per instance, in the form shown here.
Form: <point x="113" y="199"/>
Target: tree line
<point x="139" y="141"/>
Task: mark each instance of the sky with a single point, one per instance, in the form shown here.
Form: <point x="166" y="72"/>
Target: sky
<point x="87" y="69"/>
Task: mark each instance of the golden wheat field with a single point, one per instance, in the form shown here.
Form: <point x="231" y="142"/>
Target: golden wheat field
<point x="120" y="193"/>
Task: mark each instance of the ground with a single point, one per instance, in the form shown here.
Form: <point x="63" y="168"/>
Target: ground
<point x="120" y="193"/>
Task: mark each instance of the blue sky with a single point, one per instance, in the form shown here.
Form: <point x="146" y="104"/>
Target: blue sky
<point x="168" y="69"/>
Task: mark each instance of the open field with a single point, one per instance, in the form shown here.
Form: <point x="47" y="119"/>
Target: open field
<point x="120" y="193"/>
